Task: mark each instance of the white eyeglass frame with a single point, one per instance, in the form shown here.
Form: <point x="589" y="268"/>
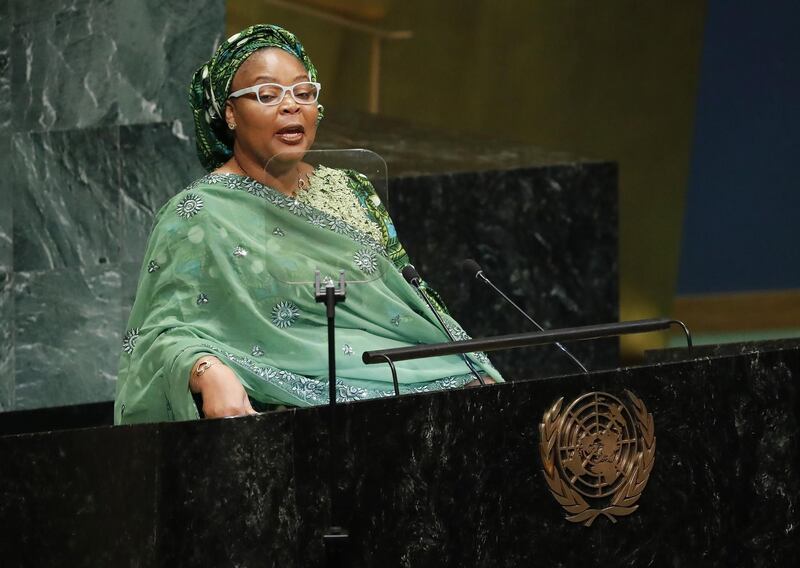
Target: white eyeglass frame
<point x="284" y="90"/>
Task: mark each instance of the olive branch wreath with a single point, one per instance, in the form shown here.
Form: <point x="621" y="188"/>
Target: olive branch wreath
<point x="625" y="497"/>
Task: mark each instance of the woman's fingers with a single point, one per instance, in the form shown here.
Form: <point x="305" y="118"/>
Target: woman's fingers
<point x="247" y="406"/>
<point x="486" y="380"/>
<point x="243" y="409"/>
<point x="229" y="412"/>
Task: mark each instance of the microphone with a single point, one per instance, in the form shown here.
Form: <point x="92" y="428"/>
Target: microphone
<point x="412" y="277"/>
<point x="474" y="269"/>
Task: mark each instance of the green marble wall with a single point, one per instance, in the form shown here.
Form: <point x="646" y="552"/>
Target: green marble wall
<point x="95" y="134"/>
<point x="6" y="219"/>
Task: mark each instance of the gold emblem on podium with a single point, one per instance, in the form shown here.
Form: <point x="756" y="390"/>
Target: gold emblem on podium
<point x="597" y="455"/>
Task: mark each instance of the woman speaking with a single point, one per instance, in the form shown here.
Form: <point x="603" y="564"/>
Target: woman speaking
<point x="220" y="310"/>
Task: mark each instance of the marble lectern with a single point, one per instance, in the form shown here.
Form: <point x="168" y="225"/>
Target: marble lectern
<point x="443" y="479"/>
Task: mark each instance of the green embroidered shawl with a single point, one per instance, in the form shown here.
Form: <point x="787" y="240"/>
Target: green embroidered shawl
<point x="228" y="271"/>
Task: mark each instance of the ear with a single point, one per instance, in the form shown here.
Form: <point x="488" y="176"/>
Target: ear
<point x="230" y="114"/>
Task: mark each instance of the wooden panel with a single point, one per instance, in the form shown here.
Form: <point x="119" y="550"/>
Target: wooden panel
<point x="364" y="10"/>
<point x="773" y="309"/>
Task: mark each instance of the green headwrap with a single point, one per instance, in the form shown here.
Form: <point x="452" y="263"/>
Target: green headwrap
<point x="211" y="86"/>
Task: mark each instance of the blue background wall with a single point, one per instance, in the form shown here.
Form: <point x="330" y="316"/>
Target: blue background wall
<point x="741" y="229"/>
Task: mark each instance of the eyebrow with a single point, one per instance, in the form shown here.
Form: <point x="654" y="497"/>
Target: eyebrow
<point x="272" y="79"/>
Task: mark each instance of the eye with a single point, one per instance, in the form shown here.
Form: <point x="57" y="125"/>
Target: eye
<point x="304" y="92"/>
<point x="269" y="93"/>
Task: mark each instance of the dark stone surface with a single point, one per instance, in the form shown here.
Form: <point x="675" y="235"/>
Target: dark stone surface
<point x="451" y="479"/>
<point x="6" y="342"/>
<point x="5" y="67"/>
<point x="161" y="44"/>
<point x="530" y="230"/>
<point x="66" y="344"/>
<point x="156" y="162"/>
<point x="89" y="63"/>
<point x="75" y="531"/>
<point x="719" y="350"/>
<point x="6" y="212"/>
<point x="66" y="203"/>
<point x="6" y="273"/>
<point x="64" y="70"/>
<point x="72" y="72"/>
<point x="50" y="419"/>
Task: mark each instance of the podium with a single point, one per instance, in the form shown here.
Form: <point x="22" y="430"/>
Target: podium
<point x="452" y="478"/>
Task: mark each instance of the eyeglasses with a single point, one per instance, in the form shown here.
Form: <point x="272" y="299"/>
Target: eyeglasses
<point x="271" y="94"/>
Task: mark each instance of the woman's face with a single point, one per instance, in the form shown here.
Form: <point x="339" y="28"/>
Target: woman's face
<point x="263" y="131"/>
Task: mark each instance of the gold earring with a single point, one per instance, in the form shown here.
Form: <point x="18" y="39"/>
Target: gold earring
<point x="232" y="126"/>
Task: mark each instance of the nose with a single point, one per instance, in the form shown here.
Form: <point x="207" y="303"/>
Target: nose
<point x="288" y="105"/>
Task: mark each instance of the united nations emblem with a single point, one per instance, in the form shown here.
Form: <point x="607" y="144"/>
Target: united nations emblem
<point x="597" y="455"/>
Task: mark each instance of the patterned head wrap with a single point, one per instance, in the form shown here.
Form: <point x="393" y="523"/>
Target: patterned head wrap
<point x="211" y="86"/>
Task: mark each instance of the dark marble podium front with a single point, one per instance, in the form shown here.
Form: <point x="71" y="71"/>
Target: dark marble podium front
<point x="451" y="479"/>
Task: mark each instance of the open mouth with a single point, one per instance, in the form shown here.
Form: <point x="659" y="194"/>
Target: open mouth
<point x="291" y="134"/>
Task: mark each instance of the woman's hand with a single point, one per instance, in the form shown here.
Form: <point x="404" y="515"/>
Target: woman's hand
<point x="223" y="394"/>
<point x="475" y="383"/>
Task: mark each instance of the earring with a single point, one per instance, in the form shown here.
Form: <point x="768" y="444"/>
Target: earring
<point x="232" y="125"/>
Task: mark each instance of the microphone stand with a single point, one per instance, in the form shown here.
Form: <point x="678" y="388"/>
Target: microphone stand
<point x="412" y="277"/>
<point x="558" y="344"/>
<point x="336" y="537"/>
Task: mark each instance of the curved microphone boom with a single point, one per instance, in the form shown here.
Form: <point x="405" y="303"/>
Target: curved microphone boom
<point x="474" y="269"/>
<point x="412" y="277"/>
